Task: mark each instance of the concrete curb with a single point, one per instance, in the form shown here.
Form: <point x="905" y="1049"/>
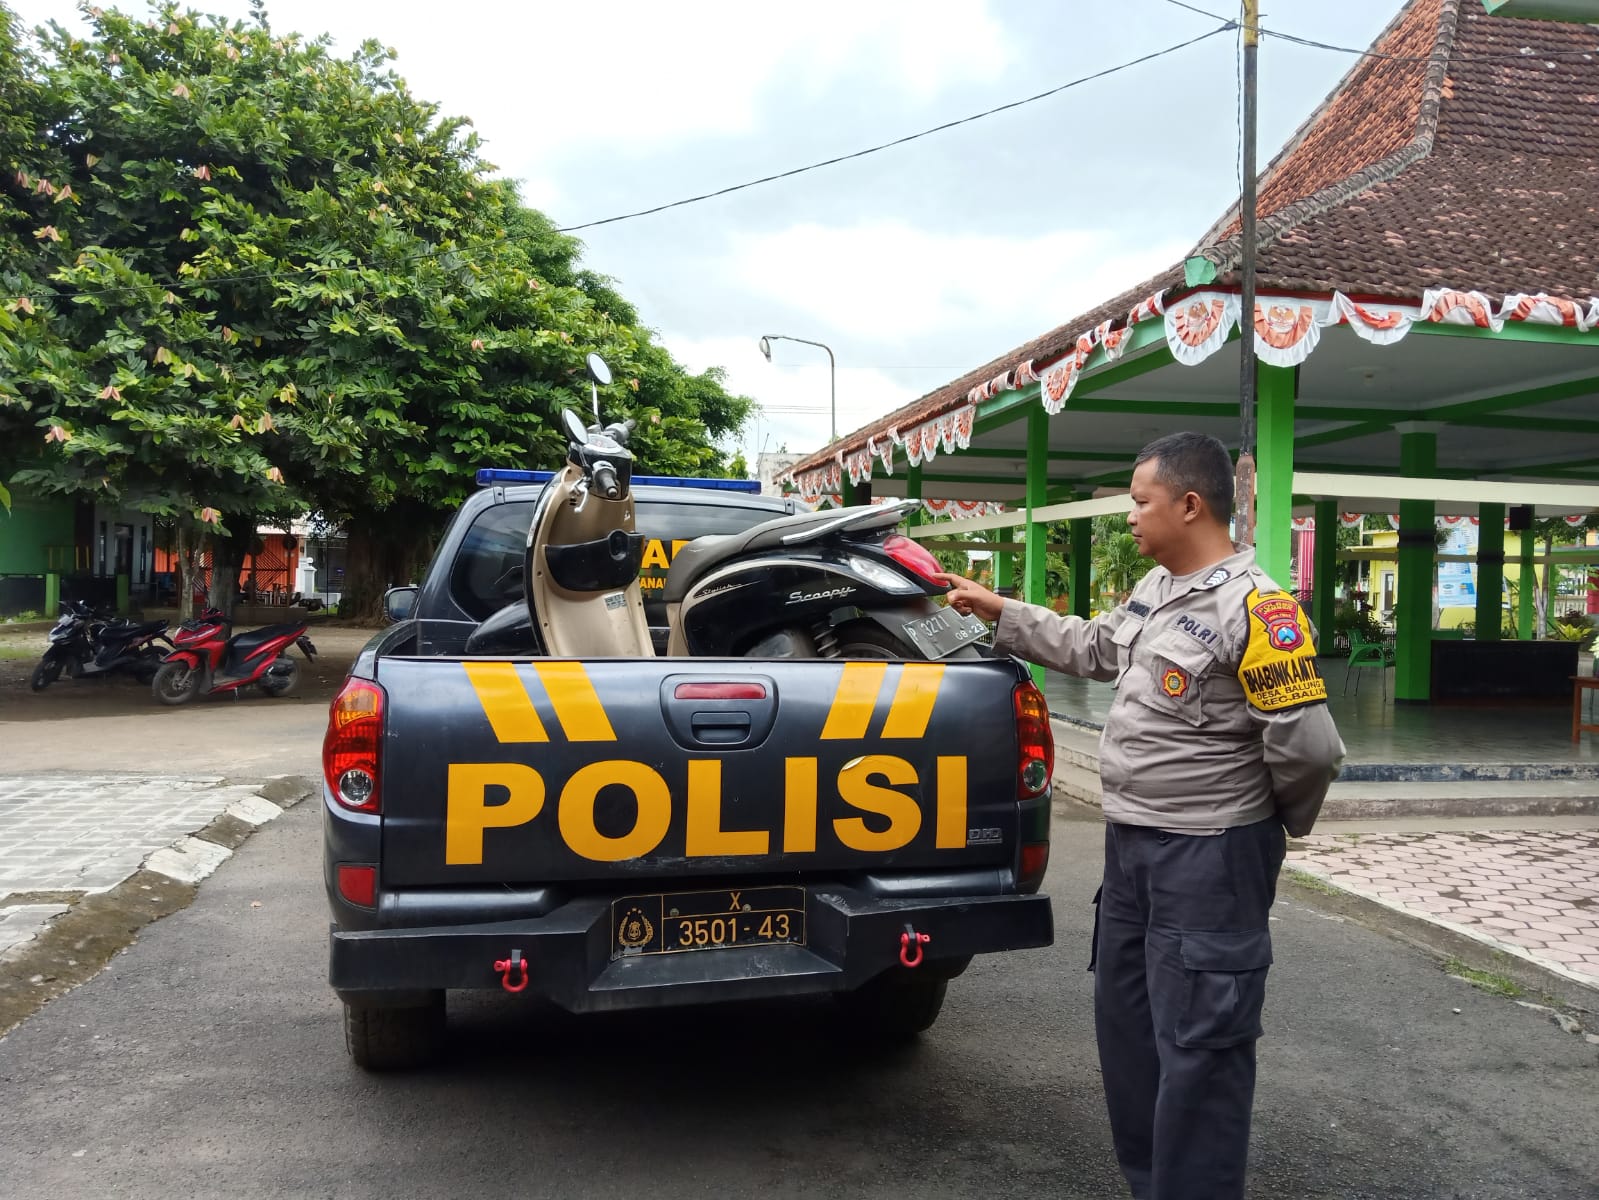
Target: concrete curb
<point x="68" y="938"/>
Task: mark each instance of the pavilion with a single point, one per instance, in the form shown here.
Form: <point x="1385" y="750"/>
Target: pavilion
<point x="1425" y="330"/>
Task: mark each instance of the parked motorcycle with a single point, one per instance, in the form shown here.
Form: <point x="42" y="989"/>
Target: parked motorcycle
<point x="823" y="584"/>
<point x="85" y="642"/>
<point x="206" y="659"/>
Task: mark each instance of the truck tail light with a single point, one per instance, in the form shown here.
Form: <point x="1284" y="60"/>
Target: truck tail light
<point x="1035" y="742"/>
<point x="350" y="763"/>
<point x="913" y="558"/>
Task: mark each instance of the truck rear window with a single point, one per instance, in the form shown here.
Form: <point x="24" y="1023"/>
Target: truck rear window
<point x="487" y="574"/>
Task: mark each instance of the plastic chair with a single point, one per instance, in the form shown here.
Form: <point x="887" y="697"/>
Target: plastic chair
<point x="1364" y="654"/>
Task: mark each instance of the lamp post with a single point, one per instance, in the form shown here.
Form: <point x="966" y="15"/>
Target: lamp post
<point x="832" y="375"/>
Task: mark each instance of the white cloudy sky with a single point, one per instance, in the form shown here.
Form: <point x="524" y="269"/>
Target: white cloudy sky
<point x="915" y="264"/>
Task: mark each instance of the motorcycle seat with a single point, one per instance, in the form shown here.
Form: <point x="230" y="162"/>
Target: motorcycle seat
<point x="246" y="643"/>
<point x="128" y="629"/>
<point x="697" y="559"/>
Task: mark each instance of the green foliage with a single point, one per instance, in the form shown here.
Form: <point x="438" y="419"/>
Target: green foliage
<point x="241" y="277"/>
<point x="1574" y="627"/>
<point x="1118" y="566"/>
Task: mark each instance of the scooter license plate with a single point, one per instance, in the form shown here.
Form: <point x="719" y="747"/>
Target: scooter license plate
<point x="943" y="633"/>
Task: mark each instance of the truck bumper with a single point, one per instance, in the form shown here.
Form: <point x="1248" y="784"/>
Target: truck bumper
<point x="851" y="937"/>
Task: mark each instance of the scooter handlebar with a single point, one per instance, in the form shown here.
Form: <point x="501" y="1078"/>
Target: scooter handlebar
<point x="605" y="481"/>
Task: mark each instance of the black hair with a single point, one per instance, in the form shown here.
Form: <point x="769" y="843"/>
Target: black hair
<point x="1194" y="462"/>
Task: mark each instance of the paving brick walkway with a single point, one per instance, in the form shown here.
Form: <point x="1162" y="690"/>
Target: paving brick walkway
<point x="1531" y="892"/>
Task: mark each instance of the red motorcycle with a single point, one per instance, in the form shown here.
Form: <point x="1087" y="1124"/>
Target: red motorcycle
<point x="205" y="659"/>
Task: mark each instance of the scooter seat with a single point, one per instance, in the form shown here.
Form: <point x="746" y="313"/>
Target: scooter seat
<point x="132" y="629"/>
<point x="247" y="643"/>
<point x="697" y="559"/>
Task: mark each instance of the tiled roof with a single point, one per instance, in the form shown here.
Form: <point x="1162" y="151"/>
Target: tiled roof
<point x="1463" y="152"/>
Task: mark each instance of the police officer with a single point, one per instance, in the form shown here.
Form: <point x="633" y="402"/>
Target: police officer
<point x="1219" y="738"/>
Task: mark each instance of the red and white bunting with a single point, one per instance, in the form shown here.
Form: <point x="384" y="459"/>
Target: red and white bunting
<point x="1574" y="519"/>
<point x="1148" y="308"/>
<point x="948" y="432"/>
<point x="1287" y="331"/>
<point x="1381" y="325"/>
<point x="1541" y="309"/>
<point x="1304" y="524"/>
<point x="1446" y="306"/>
<point x="1200" y="325"/>
<point x="1350" y="520"/>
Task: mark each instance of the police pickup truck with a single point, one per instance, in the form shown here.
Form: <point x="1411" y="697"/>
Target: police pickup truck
<point x="630" y="833"/>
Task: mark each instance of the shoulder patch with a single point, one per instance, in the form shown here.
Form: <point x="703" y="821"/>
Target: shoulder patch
<point x="1279" y="669"/>
<point x="1219" y="575"/>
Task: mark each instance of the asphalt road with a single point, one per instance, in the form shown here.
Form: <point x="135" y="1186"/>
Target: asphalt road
<point x="207" y="1062"/>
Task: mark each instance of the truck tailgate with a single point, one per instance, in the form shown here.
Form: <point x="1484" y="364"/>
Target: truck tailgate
<point x="498" y="771"/>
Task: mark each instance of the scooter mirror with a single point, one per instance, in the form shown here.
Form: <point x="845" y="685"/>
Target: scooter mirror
<point x="574" y="426"/>
<point x="599" y="372"/>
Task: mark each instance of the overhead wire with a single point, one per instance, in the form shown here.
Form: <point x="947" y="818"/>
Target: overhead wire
<point x="311" y="269"/>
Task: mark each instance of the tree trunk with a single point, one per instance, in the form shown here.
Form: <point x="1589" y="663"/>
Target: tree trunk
<point x="384" y="550"/>
<point x="224" y="589"/>
<point x="184" y="563"/>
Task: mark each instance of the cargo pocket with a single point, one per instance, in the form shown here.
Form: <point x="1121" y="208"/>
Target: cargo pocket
<point x="1226" y="988"/>
<point x="1177" y="664"/>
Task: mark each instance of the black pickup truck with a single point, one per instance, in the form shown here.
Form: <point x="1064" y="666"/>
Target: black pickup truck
<point x="624" y="833"/>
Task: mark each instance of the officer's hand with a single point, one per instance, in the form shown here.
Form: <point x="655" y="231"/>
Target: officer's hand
<point x="968" y="597"/>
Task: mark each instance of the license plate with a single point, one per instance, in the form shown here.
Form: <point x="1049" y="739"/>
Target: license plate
<point x="943" y="633"/>
<point x="675" y="922"/>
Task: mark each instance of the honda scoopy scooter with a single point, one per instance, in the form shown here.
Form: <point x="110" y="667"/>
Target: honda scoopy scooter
<point x="825" y="584"/>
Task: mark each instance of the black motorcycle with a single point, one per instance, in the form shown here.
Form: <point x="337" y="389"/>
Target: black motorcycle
<point x="86" y="642"/>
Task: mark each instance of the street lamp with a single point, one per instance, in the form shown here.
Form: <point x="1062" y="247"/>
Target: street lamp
<point x="832" y="374"/>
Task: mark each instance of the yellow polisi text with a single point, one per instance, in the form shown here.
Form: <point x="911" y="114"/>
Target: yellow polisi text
<point x="885" y="814"/>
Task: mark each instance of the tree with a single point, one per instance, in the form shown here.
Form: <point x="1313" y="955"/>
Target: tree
<point x="248" y="278"/>
<point x="1118" y="565"/>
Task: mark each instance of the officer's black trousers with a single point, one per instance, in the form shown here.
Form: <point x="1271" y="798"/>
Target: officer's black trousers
<point x="1182" y="947"/>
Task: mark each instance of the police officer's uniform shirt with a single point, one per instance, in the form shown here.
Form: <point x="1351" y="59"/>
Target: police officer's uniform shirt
<point x="1220" y="717"/>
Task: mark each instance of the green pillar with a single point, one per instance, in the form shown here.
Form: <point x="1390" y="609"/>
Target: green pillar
<point x="1034" y="579"/>
<point x="1324" y="573"/>
<point x="124" y="594"/>
<point x="1080" y="565"/>
<point x="1418" y="459"/>
<point x="1526" y="597"/>
<point x="848" y="494"/>
<point x="1490" y="571"/>
<point x="1274" y="471"/>
<point x="52" y="594"/>
<point x="913" y="491"/>
<point x="1005" y="564"/>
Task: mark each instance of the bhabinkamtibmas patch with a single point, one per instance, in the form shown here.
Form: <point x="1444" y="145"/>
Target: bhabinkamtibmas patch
<point x="1279" y="668"/>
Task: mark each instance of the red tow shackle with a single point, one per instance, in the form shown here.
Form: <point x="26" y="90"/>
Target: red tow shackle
<point x="910" y="946"/>
<point x="506" y="966"/>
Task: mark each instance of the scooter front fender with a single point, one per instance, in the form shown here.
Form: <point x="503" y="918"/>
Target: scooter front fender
<point x="187" y="657"/>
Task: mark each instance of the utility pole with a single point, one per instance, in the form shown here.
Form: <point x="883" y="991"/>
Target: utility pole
<point x="1244" y="477"/>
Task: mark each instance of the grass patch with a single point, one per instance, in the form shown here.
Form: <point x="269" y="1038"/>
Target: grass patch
<point x="15" y="652"/>
<point x="1314" y="883"/>
<point x="1491" y="982"/>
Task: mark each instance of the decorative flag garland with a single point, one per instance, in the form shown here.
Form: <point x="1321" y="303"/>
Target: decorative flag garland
<point x="1286" y="329"/>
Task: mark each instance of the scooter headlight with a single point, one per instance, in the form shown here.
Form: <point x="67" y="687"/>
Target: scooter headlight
<point x="884" y="579"/>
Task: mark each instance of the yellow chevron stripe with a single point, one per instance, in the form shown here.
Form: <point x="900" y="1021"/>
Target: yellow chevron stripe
<point x="913" y="700"/>
<point x="577" y="707"/>
<point x="505" y="702"/>
<point x="854" y="701"/>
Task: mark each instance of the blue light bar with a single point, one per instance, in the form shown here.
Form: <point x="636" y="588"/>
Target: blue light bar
<point x="490" y="476"/>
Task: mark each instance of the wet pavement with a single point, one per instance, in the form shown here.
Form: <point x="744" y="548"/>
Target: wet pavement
<point x="1532" y="892"/>
<point x="1377" y="731"/>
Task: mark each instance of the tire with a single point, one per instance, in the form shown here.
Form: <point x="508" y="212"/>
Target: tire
<point x="144" y="670"/>
<point x="394" y="1039"/>
<point x="868" y="639"/>
<point x="896" y="1006"/>
<point x="278" y="683"/>
<point x="46" y="673"/>
<point x="176" y="683"/>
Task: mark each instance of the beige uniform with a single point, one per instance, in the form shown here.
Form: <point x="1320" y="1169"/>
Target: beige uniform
<point x="1220" y="717"/>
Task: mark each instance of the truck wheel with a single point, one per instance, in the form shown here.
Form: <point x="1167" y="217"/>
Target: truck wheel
<point x="897" y="1005"/>
<point x="392" y="1039"/>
